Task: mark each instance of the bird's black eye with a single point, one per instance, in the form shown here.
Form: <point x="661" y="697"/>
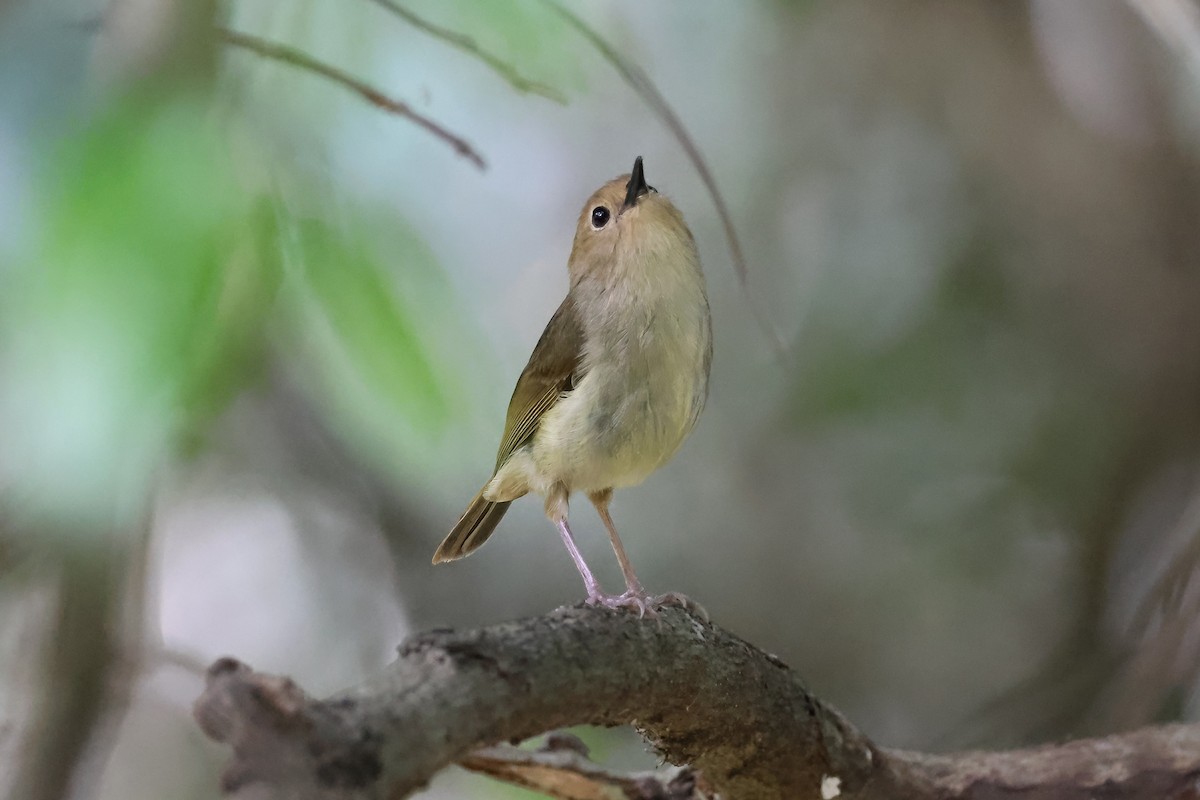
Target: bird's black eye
<point x="600" y="217"/>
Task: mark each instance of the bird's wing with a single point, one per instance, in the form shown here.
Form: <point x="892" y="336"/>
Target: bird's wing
<point x="553" y="370"/>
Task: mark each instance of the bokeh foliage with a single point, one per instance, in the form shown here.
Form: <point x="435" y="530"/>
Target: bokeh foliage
<point x="148" y="292"/>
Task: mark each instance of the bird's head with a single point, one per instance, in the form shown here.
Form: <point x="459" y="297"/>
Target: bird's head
<point x="627" y="224"/>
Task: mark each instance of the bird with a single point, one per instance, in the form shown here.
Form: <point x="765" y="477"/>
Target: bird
<point x="615" y="384"/>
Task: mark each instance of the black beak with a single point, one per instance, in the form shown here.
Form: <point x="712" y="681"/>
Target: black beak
<point x="636" y="186"/>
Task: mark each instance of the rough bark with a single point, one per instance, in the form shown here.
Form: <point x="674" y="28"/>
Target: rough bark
<point x="699" y="694"/>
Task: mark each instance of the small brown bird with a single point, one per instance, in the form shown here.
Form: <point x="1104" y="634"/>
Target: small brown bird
<point x="616" y="382"/>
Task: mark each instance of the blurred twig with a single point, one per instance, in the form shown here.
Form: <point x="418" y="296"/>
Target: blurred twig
<point x="1177" y="23"/>
<point x="1171" y="584"/>
<point x="301" y="60"/>
<point x="1071" y="692"/>
<point x="471" y="47"/>
<point x="1165" y="624"/>
<point x="640" y="82"/>
<point x="78" y="669"/>
<point x="1162" y="663"/>
<point x="187" y="662"/>
<point x="569" y="775"/>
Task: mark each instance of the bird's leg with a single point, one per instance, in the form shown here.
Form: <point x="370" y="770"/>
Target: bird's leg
<point x="601" y="500"/>
<point x="556" y="510"/>
<point x="635" y="595"/>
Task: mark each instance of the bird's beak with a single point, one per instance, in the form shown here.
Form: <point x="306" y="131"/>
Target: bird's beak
<point x="636" y="186"/>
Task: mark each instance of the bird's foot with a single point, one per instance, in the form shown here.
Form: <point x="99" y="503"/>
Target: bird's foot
<point x="646" y="605"/>
<point x="632" y="599"/>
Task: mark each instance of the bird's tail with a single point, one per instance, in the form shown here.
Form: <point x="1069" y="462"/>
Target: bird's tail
<point x="472" y="530"/>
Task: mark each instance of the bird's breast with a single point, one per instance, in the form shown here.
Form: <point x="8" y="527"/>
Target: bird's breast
<point x="644" y="383"/>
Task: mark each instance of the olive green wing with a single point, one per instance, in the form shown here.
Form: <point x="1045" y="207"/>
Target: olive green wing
<point x="552" y="371"/>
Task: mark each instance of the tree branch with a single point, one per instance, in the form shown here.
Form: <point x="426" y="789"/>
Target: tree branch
<point x="77" y="669"/>
<point x="468" y="45"/>
<point x="699" y="694"/>
<point x="567" y="773"/>
<point x="301" y="60"/>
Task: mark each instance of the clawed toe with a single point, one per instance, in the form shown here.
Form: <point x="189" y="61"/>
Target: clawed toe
<point x="647" y="605"/>
<point x="637" y="601"/>
<point x="681" y="600"/>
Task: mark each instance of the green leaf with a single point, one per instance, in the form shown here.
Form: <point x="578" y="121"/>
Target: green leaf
<point x="367" y="347"/>
<point x="114" y="324"/>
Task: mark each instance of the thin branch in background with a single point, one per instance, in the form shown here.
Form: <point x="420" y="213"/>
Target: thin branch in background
<point x="645" y="88"/>
<point x="187" y="662"/>
<point x="1164" y="594"/>
<point x="567" y="773"/>
<point x="1177" y="23"/>
<point x="471" y="47"/>
<point x="301" y="60"/>
<point x="78" y="667"/>
<point x="1162" y="663"/>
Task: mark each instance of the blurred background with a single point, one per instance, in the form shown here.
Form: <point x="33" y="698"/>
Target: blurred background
<point x="257" y="338"/>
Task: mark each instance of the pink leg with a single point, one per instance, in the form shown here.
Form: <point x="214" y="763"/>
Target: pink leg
<point x="594" y="593"/>
<point x="601" y="500"/>
<point x="556" y="510"/>
<point x="635" y="596"/>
